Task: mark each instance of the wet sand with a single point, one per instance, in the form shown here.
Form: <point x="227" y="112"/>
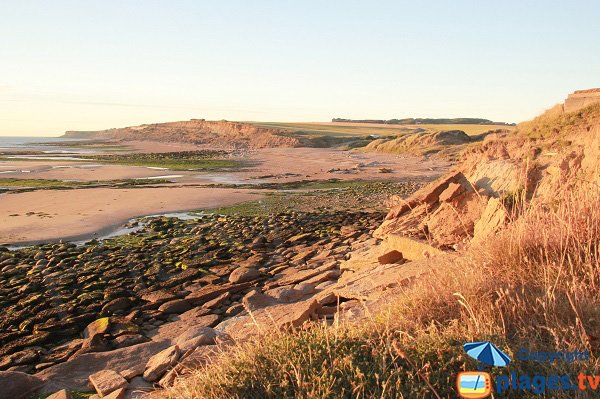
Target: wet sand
<point x="72" y="214"/>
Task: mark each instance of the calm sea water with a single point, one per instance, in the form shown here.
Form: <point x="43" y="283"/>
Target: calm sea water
<point x="33" y="144"/>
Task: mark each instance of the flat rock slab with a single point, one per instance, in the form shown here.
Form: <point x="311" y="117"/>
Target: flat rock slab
<point x="263" y="321"/>
<point x="170" y="331"/>
<point x="17" y="385"/>
<point x="161" y="362"/>
<point x="73" y="375"/>
<point x="107" y="381"/>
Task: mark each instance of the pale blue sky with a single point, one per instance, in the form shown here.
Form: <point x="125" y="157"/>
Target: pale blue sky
<point x="98" y="64"/>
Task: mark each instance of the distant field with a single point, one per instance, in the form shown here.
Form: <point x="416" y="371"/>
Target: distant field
<point x="342" y="129"/>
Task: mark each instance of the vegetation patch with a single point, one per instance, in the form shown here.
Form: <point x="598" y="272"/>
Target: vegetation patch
<point x="22" y="185"/>
<point x="206" y="160"/>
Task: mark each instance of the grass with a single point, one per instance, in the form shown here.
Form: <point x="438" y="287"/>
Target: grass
<point x="361" y="129"/>
<point x="555" y="123"/>
<point x="45" y="184"/>
<point x="185" y="160"/>
<point x="535" y="286"/>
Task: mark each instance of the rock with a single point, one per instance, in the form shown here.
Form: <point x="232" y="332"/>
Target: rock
<point x="319" y="278"/>
<point x="160" y="363"/>
<point x="175" y="306"/>
<point x="17" y="385"/>
<point x="454" y="190"/>
<point x="392" y="256"/>
<point x="243" y="275"/>
<point x="118" y="394"/>
<point x="128" y="340"/>
<point x="209" y="292"/>
<point x="255" y="300"/>
<point x="194" y="313"/>
<point x="302" y="275"/>
<point x="99" y="326"/>
<point x="137" y="388"/>
<point x="116" y="304"/>
<point x="194" y="337"/>
<point x="233" y="310"/>
<point x="494" y="216"/>
<point x="95" y="344"/>
<point x="62" y="394"/>
<point x="280" y="317"/>
<point x="159" y="296"/>
<point x="284" y="294"/>
<point x="74" y="374"/>
<point x="218" y="301"/>
<point x="107" y="381"/>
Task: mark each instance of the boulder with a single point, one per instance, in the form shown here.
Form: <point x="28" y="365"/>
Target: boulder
<point x="243" y="275"/>
<point x="17" y="385"/>
<point x="160" y="363"/>
<point x="107" y="381"/>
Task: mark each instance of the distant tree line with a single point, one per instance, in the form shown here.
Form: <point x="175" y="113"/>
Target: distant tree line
<point x="426" y="121"/>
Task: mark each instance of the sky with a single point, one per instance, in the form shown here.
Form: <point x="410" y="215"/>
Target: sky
<point x="88" y="65"/>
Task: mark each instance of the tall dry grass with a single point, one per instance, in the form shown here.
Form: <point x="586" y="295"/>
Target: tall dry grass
<point x="534" y="285"/>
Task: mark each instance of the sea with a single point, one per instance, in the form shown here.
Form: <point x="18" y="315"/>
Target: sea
<point x="31" y="143"/>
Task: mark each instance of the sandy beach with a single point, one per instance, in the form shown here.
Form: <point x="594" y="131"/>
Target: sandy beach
<point x="72" y="214"/>
<point x="46" y="215"/>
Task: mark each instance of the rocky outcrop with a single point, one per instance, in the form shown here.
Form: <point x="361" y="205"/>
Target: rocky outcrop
<point x="483" y="193"/>
<point x="221" y="134"/>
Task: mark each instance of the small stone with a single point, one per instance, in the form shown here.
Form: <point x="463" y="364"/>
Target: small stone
<point x="160" y="363"/>
<point x="243" y="274"/>
<point x="234" y="309"/>
<point x="107" y="381"/>
<point x="175" y="306"/>
<point x="218" y="301"/>
<point x="390" y="257"/>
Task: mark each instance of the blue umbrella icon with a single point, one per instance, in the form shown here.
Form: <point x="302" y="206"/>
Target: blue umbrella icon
<point x="487" y="353"/>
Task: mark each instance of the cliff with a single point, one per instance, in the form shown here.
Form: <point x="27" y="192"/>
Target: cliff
<point x="198" y="131"/>
<point x="581" y="99"/>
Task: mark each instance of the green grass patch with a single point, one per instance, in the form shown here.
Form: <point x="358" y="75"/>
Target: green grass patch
<point x="185" y="160"/>
<point x="28" y="184"/>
